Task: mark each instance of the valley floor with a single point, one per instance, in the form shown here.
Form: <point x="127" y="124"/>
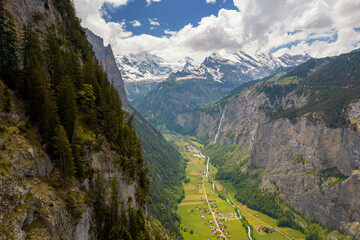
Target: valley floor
<point x="204" y="215"/>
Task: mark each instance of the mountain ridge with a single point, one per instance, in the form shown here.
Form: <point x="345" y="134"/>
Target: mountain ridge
<point x="143" y="72"/>
<point x="214" y="78"/>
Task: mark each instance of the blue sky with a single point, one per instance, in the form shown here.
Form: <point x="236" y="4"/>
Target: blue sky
<point x="174" y="29"/>
<point x="170" y="14"/>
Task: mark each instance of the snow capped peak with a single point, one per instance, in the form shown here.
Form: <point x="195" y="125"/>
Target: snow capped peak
<point x="188" y="63"/>
<point x="143" y="67"/>
<point x="223" y="66"/>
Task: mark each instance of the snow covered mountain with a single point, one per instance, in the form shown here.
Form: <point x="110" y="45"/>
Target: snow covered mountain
<point x="235" y="68"/>
<point x="215" y="77"/>
<point x="143" y="71"/>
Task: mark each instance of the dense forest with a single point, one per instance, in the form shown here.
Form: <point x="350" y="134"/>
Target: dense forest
<point x="318" y="79"/>
<point x="166" y="170"/>
<point x="73" y="106"/>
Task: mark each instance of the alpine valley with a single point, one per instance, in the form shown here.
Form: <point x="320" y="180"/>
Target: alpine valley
<point x="96" y="145"/>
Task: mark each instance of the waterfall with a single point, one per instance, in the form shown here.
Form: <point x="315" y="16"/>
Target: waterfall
<point x="220" y="123"/>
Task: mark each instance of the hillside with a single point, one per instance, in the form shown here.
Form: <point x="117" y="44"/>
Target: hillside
<point x="165" y="169"/>
<point x="294" y="137"/>
<point x="71" y="162"/>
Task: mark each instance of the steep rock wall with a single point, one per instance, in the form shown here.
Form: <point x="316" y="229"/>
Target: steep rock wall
<point x="33" y="204"/>
<point x="296" y="156"/>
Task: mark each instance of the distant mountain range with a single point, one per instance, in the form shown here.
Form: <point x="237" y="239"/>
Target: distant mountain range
<point x="143" y="72"/>
<point x="215" y="77"/>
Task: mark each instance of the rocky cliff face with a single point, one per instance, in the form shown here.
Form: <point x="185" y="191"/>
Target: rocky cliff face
<point x="106" y="58"/>
<point x="33" y="203"/>
<point x="315" y="168"/>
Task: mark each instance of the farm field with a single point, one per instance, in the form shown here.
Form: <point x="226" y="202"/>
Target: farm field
<point x="197" y="221"/>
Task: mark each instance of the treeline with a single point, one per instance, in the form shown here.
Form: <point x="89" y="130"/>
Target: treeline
<point x="249" y="194"/>
<point x="69" y="99"/>
<point x="329" y="84"/>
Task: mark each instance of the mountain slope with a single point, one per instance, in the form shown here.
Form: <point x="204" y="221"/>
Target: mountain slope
<point x="295" y="135"/>
<point x="71" y="163"/>
<point x="165" y="169"/>
<point x="214" y="78"/>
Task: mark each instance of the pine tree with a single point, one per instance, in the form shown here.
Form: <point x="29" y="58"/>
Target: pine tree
<point x="87" y="99"/>
<point x="66" y="102"/>
<point x="113" y="210"/>
<point x="63" y="152"/>
<point x="123" y="217"/>
<point x="8" y="47"/>
<point x="54" y="59"/>
<point x="5" y="97"/>
<point x="114" y="203"/>
<point x="125" y="235"/>
<point x="99" y="206"/>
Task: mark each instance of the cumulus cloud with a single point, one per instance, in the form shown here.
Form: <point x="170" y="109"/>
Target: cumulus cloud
<point x="92" y="17"/>
<point x="154" y="22"/>
<point x="318" y="27"/>
<point x="135" y="23"/>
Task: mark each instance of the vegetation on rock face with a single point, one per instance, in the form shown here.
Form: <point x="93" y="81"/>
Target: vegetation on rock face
<point x="69" y="102"/>
<point x="319" y="79"/>
<point x="162" y="159"/>
<point x="8" y="45"/>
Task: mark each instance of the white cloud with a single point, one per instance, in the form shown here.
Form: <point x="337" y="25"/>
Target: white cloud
<point x="257" y="25"/>
<point x="135" y="23"/>
<point x="154" y="22"/>
<point x="149" y="1"/>
<point x="92" y="17"/>
<point x="211" y="1"/>
<point x="168" y="32"/>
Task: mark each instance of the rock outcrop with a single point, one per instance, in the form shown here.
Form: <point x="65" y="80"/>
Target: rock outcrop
<point x="32" y="203"/>
<point x="106" y="58"/>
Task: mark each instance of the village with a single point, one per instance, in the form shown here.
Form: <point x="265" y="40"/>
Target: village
<point x="208" y="212"/>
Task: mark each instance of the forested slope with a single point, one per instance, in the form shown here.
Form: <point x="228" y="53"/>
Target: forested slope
<point x="72" y="164"/>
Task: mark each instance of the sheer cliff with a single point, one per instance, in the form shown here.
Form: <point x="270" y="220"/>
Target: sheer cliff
<point x="106" y="58"/>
